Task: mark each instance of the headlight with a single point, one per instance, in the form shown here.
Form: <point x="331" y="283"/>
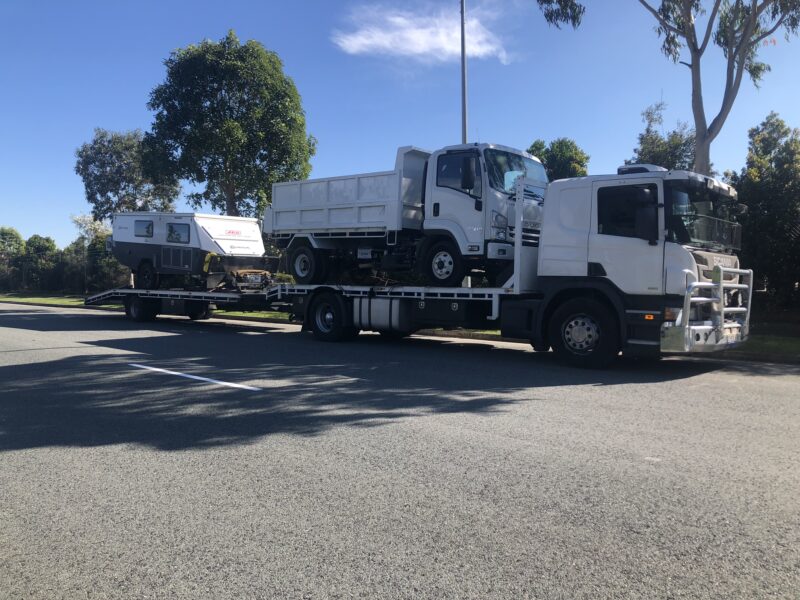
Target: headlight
<point x="498" y="220"/>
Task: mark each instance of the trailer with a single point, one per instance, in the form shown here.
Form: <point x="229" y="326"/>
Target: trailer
<point x="620" y="265"/>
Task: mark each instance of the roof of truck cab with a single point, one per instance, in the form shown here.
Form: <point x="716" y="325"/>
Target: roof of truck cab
<point x="484" y="146"/>
<point x="172" y="214"/>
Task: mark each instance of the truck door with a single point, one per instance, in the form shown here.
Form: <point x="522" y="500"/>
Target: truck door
<point x="626" y="241"/>
<point x="451" y="207"/>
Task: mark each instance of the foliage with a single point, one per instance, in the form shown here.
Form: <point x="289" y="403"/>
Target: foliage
<point x="686" y="27"/>
<point x="673" y="150"/>
<point x="90" y="228"/>
<point x="111" y="168"/>
<point x="228" y="117"/>
<point x="556" y="12"/>
<point x="561" y="158"/>
<point x="12" y="245"/>
<point x="769" y="185"/>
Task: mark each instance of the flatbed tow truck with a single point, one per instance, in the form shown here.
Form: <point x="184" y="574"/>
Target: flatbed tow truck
<point x="581" y="285"/>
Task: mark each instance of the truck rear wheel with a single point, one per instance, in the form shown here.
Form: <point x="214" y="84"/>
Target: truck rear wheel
<point x="443" y="264"/>
<point x="584" y="333"/>
<point x="329" y="321"/>
<point x="308" y="265"/>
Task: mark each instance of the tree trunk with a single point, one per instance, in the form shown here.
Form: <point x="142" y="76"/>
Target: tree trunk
<point x="231" y="206"/>
<point x="702" y="154"/>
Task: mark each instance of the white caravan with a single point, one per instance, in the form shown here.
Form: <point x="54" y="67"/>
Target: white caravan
<point x="164" y="248"/>
<point x="443" y="213"/>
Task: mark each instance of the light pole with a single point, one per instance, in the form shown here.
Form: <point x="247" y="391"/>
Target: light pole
<point x="463" y="76"/>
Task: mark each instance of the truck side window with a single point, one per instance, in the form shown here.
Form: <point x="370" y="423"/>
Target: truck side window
<point x="616" y="209"/>
<point x="178" y="233"/>
<point x="143" y="229"/>
<point x="448" y="172"/>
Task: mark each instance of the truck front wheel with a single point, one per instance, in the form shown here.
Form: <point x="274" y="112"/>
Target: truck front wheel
<point x="307" y="265"/>
<point x="583" y="332"/>
<point x="443" y="264"/>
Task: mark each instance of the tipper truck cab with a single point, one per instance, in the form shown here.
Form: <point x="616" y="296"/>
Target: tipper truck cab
<point x="441" y="213"/>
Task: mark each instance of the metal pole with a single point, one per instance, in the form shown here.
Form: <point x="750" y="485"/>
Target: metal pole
<point x="463" y="77"/>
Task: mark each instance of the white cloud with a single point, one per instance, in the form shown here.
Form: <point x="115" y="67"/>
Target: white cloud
<point x="427" y="36"/>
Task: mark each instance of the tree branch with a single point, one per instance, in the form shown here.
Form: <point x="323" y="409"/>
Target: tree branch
<point x="661" y="20"/>
<point x="710" y="26"/>
<point x="764" y="36"/>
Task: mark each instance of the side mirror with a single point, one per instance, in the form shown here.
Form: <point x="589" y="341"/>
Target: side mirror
<point x="647" y="223"/>
<point x="468" y="173"/>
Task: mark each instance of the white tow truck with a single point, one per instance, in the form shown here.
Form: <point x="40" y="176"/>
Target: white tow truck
<point x="640" y="262"/>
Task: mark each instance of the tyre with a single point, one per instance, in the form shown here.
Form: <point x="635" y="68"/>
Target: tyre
<point x="443" y="264"/>
<point x="584" y="333"/>
<point x="198" y="311"/>
<point x="328" y="315"/>
<point x="146" y="277"/>
<point x="141" y="310"/>
<point x="308" y="265"/>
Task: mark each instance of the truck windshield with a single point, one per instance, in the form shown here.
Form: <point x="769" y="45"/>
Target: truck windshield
<point x="504" y="168"/>
<point x="700" y="216"/>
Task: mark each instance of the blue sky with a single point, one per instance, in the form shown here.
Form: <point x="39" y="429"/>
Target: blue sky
<point x="372" y="77"/>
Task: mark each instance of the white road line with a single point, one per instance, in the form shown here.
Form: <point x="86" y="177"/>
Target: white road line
<point x="197" y="377"/>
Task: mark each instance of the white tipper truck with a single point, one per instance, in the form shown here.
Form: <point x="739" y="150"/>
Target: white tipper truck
<point x="642" y="262"/>
<point x="443" y="213"/>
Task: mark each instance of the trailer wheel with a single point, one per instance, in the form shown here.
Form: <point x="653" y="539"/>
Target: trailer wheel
<point x="443" y="264"/>
<point x="584" y="333"/>
<point x="198" y="311"/>
<point x="308" y="265"/>
<point x="328" y="316"/>
<point x="146" y="277"/>
<point x="141" y="310"/>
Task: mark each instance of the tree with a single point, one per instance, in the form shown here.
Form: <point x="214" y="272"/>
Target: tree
<point x="113" y="177"/>
<point x="769" y="185"/>
<point x="39" y="262"/>
<point x="737" y="27"/>
<point x="675" y="150"/>
<point x="228" y="117"/>
<point x="561" y="158"/>
<point x="89" y="228"/>
<point x="12" y="245"/>
<point x="557" y="12"/>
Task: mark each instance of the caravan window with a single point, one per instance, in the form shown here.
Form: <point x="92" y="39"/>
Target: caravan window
<point x="177" y="233"/>
<point x="143" y="228"/>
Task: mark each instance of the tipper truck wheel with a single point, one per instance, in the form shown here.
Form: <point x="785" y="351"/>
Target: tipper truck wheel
<point x="328" y="316"/>
<point x="584" y="333"/>
<point x="443" y="265"/>
<point x="308" y="265"/>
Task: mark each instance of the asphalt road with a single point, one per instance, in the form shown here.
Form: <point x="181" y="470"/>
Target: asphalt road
<point x="426" y="468"/>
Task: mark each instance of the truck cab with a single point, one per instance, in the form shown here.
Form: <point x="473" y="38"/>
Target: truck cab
<point x="470" y="199"/>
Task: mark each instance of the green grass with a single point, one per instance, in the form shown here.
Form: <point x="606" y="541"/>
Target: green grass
<point x="260" y="314"/>
<point x="771" y="345"/>
<point x="53" y="300"/>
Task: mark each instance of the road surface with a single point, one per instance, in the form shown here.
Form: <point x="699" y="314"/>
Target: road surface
<point x="426" y="468"/>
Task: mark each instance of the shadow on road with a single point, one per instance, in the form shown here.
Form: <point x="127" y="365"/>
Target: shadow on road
<point x="306" y="387"/>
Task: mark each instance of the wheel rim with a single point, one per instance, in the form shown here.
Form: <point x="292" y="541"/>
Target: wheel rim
<point x="325" y="317"/>
<point x="302" y="265"/>
<point x="581" y="333"/>
<point x="442" y="264"/>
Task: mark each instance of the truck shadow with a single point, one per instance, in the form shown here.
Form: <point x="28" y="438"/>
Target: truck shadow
<point x="304" y="387"/>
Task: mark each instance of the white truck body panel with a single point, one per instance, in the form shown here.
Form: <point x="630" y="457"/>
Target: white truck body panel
<point x="381" y="202"/>
<point x="224" y="235"/>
